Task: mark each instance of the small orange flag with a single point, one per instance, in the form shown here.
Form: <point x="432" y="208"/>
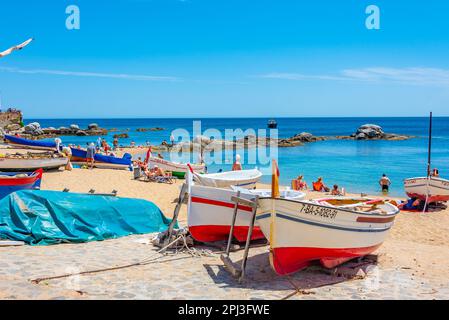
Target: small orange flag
<point x="275" y="180"/>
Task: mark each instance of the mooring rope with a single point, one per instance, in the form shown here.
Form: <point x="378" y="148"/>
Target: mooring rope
<point x="145" y="261"/>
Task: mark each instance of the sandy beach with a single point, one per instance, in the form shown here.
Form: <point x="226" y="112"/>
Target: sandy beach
<point x="412" y="263"/>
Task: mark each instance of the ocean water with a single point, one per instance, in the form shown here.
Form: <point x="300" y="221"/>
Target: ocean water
<point x="355" y="165"/>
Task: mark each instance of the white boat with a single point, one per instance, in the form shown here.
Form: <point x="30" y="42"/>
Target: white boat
<point x="330" y="231"/>
<point x="243" y="178"/>
<point x="210" y="212"/>
<point x="178" y="169"/>
<point x="431" y="189"/>
<point x="31" y="163"/>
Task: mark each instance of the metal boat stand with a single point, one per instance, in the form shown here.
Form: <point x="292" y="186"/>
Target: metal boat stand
<point x="91" y="192"/>
<point x="229" y="265"/>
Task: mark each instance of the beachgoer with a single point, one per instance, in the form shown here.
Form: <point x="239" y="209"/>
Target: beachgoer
<point x="320" y="186"/>
<point x="115" y="143"/>
<point x="299" y="184"/>
<point x="68" y="153"/>
<point x="133" y="144"/>
<point x="413" y="204"/>
<point x="58" y="145"/>
<point x="90" y="157"/>
<point x="237" y="166"/>
<point x="385" y="183"/>
<point x="335" y="191"/>
<point x="160" y="156"/>
<point x="435" y="173"/>
<point x="172" y="140"/>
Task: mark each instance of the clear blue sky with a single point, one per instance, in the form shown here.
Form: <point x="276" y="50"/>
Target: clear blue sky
<point x="211" y="58"/>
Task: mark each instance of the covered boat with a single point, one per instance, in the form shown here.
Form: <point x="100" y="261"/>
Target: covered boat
<point x="330" y="231"/>
<point x="14" y="181"/>
<point x="50" y="217"/>
<point x="30" y="144"/>
<point x="30" y="162"/>
<point x="178" y="169"/>
<point x="79" y="157"/>
<point x="210" y="212"/>
<point x="432" y="189"/>
<point x="243" y="178"/>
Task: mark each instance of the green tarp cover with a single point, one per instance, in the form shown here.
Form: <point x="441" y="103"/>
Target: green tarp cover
<point x="48" y="217"/>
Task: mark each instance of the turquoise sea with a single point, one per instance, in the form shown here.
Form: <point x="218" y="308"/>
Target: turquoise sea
<point x="355" y="165"/>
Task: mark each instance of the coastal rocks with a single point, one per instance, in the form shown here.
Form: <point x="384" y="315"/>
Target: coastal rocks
<point x="81" y="133"/>
<point x="375" y="132"/>
<point x="12" y="127"/>
<point x="93" y="126"/>
<point x="34" y="129"/>
<point x="121" y="136"/>
<point x="149" y="129"/>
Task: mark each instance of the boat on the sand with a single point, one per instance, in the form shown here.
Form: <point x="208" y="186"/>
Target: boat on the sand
<point x="210" y="212"/>
<point x="177" y="169"/>
<point x="14" y="181"/>
<point x="329" y="231"/>
<point x="32" y="161"/>
<point x="79" y="156"/>
<point x="430" y="188"/>
<point x="243" y="178"/>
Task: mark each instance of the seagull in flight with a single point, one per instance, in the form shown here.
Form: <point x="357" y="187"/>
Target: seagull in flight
<point x="18" y="47"/>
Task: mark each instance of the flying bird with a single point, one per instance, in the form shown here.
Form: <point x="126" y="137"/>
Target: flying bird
<point x="18" y="47"/>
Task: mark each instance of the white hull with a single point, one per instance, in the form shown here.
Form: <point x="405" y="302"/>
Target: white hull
<point x="32" y="164"/>
<point x="21" y="146"/>
<point x="210" y="213"/>
<point x="305" y="231"/>
<point x="434" y="189"/>
<point x="174" y="166"/>
<point x="102" y="165"/>
<point x="244" y="178"/>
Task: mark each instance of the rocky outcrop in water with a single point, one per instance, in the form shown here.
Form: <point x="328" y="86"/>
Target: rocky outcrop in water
<point x="34" y="130"/>
<point x="375" y="132"/>
<point x="149" y="129"/>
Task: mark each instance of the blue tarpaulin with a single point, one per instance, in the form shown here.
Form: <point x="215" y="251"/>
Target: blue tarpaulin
<point x="49" y="217"/>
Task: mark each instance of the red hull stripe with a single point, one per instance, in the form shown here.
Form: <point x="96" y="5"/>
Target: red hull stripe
<point x="431" y="198"/>
<point x="211" y="233"/>
<point x="219" y="203"/>
<point x="375" y="220"/>
<point x="292" y="259"/>
<point x="11" y="182"/>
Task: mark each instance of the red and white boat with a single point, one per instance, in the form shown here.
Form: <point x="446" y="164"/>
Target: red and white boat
<point x="432" y="189"/>
<point x="331" y="231"/>
<point x="210" y="212"/>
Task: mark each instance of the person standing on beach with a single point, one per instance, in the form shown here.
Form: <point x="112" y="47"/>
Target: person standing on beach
<point x="172" y="140"/>
<point x="115" y="144"/>
<point x="90" y="157"/>
<point x="237" y="166"/>
<point x="385" y="183"/>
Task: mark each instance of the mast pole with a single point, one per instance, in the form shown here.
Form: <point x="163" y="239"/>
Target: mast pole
<point x="430" y="147"/>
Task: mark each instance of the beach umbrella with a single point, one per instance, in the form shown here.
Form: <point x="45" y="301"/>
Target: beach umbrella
<point x="18" y="47"/>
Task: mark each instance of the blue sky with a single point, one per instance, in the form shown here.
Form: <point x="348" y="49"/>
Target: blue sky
<point x="212" y="58"/>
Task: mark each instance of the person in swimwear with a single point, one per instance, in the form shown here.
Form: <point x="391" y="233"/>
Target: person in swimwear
<point x="385" y="183"/>
<point x="320" y="186"/>
<point x="299" y="183"/>
<point x="237" y="166"/>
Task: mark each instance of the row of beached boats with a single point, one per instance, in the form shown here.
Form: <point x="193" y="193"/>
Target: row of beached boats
<point x="330" y="230"/>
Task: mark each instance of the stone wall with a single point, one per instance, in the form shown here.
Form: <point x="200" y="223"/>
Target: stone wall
<point x="10" y="117"/>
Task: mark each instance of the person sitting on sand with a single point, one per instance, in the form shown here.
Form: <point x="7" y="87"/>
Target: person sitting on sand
<point x="413" y="204"/>
<point x="90" y="156"/>
<point x="299" y="184"/>
<point x="155" y="172"/>
<point x="237" y="166"/>
<point x="335" y="191"/>
<point x="320" y="186"/>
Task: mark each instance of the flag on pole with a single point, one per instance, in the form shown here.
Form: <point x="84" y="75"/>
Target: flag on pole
<point x="275" y="180"/>
<point x="147" y="158"/>
<point x="18" y="47"/>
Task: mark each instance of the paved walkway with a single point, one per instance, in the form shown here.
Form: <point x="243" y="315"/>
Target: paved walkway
<point x="182" y="276"/>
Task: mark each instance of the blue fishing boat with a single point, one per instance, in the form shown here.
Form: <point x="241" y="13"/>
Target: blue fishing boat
<point x="79" y="156"/>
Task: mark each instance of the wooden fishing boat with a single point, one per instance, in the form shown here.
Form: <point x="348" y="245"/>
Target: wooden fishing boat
<point x="330" y="231"/>
<point x="210" y="212"/>
<point x="29" y="144"/>
<point x="178" y="169"/>
<point x="430" y="189"/>
<point x="14" y="181"/>
<point x="31" y="162"/>
<point x="79" y="157"/>
<point x="244" y="178"/>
